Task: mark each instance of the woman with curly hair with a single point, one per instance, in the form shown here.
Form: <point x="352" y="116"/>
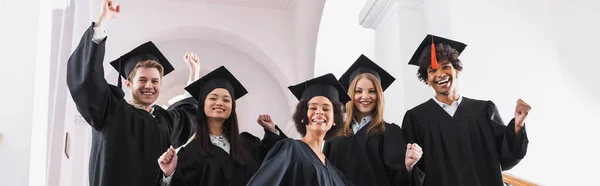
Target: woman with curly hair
<point x="318" y="116"/>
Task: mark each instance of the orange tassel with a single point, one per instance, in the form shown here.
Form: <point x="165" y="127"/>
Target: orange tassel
<point x="434" y="62"/>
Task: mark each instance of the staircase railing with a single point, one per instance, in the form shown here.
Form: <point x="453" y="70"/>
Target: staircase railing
<point x="512" y="180"/>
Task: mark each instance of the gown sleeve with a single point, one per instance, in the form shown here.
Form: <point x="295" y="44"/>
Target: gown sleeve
<point x="260" y="148"/>
<point x="410" y="128"/>
<point x="95" y="99"/>
<point x="184" y="119"/>
<point x="195" y="170"/>
<point x="394" y="153"/>
<point x="274" y="168"/>
<point x="511" y="147"/>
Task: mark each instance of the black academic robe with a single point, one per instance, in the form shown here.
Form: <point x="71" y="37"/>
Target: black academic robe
<point x="377" y="159"/>
<point x="184" y="123"/>
<point x="218" y="168"/>
<point x="293" y="163"/>
<point x="471" y="148"/>
<point x="126" y="141"/>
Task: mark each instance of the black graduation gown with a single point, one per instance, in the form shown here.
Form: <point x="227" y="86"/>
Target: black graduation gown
<point x="293" y="163"/>
<point x="126" y="141"/>
<point x="377" y="159"/>
<point x="470" y="149"/>
<point x="219" y="169"/>
<point x="185" y="120"/>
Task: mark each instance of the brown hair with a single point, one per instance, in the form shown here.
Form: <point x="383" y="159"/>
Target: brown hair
<point x="377" y="123"/>
<point x="145" y="64"/>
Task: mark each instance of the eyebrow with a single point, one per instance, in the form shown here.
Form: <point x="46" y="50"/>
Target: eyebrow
<point x="144" y="77"/>
<point x="326" y="104"/>
<point x="213" y="94"/>
<point x="441" y="64"/>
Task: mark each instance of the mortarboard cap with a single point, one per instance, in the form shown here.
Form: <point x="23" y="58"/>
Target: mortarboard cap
<point x="218" y="78"/>
<point x="325" y="85"/>
<point x="364" y="65"/>
<point x="426" y="44"/>
<point x="147" y="51"/>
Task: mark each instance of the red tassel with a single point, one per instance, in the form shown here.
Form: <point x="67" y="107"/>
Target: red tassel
<point x="434" y="62"/>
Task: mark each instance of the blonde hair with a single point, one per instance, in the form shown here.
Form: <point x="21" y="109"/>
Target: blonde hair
<point x="146" y="64"/>
<point x="377" y="123"/>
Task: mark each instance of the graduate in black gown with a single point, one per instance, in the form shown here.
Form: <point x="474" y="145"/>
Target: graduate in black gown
<point x="369" y="150"/>
<point x="464" y="140"/>
<point x="301" y="162"/>
<point x="218" y="154"/>
<point x="127" y="137"/>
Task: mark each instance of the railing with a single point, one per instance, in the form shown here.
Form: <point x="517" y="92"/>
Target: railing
<point x="512" y="180"/>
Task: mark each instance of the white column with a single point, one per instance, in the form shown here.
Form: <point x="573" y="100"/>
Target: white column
<point x="399" y="26"/>
<point x="38" y="174"/>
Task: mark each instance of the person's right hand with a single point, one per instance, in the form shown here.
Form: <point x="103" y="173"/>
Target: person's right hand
<point x="168" y="161"/>
<point x="109" y="10"/>
<point x="413" y="154"/>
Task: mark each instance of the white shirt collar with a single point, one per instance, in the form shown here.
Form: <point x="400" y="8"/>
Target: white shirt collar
<point x="444" y="105"/>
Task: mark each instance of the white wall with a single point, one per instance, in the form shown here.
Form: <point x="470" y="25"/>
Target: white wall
<point x="535" y="50"/>
<point x="514" y="53"/>
<point x="25" y="39"/>
<point x="265" y="34"/>
<point x="341" y="40"/>
<point x="264" y="94"/>
<point x="574" y="24"/>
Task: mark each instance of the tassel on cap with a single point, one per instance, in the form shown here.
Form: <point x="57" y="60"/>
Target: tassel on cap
<point x="434" y="62"/>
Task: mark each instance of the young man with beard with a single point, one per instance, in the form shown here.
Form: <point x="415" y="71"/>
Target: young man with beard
<point x="464" y="140"/>
<point x="127" y="137"/>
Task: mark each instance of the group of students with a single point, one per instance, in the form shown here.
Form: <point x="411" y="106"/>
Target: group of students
<point x="345" y="140"/>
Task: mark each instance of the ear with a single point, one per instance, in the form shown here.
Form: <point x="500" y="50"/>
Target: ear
<point x="128" y="84"/>
<point x="457" y="73"/>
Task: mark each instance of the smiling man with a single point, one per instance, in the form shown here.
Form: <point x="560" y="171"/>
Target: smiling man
<point x="127" y="136"/>
<point x="464" y="140"/>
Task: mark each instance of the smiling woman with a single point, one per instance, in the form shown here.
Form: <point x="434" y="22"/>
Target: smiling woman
<point x="217" y="154"/>
<point x="301" y="162"/>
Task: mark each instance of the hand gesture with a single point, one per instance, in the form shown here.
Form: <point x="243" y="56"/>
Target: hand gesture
<point x="109" y="10"/>
<point x="192" y="60"/>
<point x="168" y="161"/>
<point x="413" y="154"/>
<point x="265" y="121"/>
<point x="521" y="112"/>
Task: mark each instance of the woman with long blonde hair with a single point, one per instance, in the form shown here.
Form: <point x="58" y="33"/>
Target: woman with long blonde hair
<point x="368" y="150"/>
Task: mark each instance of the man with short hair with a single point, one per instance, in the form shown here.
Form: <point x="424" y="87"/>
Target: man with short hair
<point x="127" y="137"/>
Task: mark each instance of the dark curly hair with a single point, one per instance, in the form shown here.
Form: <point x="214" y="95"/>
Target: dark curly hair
<point x="444" y="52"/>
<point x="300" y="118"/>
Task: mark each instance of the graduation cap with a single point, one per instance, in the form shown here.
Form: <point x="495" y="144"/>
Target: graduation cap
<point x="364" y="65"/>
<point x="325" y="85"/>
<point x="218" y="78"/>
<point x="429" y="44"/>
<point x="147" y="51"/>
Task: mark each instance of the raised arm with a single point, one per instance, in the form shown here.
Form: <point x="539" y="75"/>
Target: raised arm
<point x="94" y="98"/>
<point x="511" y="139"/>
<point x="183" y="113"/>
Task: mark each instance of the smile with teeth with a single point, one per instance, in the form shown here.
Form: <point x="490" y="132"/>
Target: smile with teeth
<point x="365" y="102"/>
<point x="147" y="93"/>
<point x="319" y="120"/>
<point x="219" y="109"/>
<point x="443" y="81"/>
